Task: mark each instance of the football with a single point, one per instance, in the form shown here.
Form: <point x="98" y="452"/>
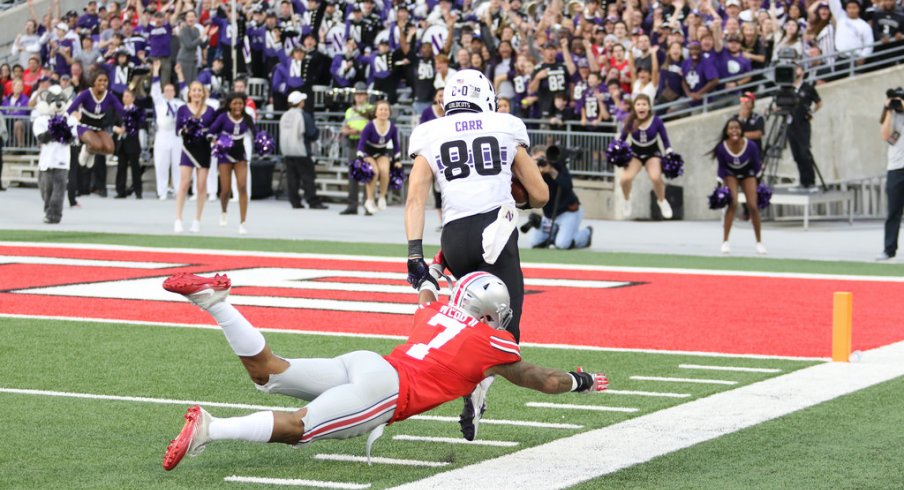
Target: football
<point x="519" y="193"/>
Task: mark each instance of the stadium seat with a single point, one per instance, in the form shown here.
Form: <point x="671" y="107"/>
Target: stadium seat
<point x="258" y="90"/>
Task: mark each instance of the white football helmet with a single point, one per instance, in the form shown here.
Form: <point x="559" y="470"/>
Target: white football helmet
<point x="469" y="91"/>
<point x="485" y="297"/>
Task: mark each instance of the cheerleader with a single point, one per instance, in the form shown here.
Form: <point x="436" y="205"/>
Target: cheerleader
<point x="234" y="123"/>
<point x="167" y="144"/>
<point x="739" y="164"/>
<point x="649" y="142"/>
<point x="93" y="108"/>
<point x="379" y="146"/>
<point x="192" y="122"/>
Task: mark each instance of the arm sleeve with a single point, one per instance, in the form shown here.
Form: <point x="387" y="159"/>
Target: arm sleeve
<point x="76" y="103"/>
<point x="397" y="155"/>
<point x="663" y="133"/>
<point x="157" y="91"/>
<point x="365" y="135"/>
<point x="519" y="132"/>
<point x="416" y="142"/>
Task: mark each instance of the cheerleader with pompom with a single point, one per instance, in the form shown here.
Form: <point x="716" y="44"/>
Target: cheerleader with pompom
<point x="233" y="124"/>
<point x="646" y="135"/>
<point x="739" y="164"/>
<point x="192" y="123"/>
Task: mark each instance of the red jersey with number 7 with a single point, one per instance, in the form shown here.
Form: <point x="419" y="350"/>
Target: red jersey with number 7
<point x="445" y="357"/>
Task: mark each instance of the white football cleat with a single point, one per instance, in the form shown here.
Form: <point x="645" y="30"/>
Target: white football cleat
<point x="665" y="208"/>
<point x="202" y="291"/>
<point x="191" y="439"/>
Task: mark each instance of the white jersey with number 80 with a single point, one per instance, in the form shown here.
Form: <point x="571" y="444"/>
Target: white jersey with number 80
<point x="471" y="156"/>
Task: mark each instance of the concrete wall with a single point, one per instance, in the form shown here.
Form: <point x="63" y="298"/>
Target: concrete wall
<point x="845" y="140"/>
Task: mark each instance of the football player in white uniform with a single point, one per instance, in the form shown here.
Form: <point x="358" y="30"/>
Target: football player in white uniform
<point x="473" y="152"/>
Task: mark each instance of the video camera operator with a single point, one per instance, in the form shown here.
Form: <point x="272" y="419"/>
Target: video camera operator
<point x="562" y="214"/>
<point x="892" y="131"/>
<point x="799" y="131"/>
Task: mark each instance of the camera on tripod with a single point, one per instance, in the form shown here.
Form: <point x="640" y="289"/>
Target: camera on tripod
<point x="783" y="75"/>
<point x="897" y="99"/>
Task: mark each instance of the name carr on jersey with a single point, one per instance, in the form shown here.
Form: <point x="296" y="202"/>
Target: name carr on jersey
<point x="470" y="125"/>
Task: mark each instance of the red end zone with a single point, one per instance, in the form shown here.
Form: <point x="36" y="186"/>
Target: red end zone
<point x="664" y="311"/>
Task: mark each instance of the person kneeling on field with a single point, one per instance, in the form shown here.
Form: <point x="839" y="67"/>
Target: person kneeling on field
<point x="451" y="349"/>
<point x="562" y="215"/>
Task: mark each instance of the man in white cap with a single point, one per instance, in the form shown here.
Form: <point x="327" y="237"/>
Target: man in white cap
<point x="296" y="132"/>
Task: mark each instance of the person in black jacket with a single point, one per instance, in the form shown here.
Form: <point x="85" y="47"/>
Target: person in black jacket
<point x="562" y="214"/>
<point x="128" y="147"/>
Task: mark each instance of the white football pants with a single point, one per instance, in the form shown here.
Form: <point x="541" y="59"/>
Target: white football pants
<point x="167" y="153"/>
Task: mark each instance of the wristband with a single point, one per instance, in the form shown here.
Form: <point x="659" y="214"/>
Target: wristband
<point x="574" y="382"/>
<point x="582" y="381"/>
<point x="415" y="249"/>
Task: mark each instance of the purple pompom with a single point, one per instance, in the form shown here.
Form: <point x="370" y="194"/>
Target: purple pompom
<point x="720" y="197"/>
<point x="763" y="195"/>
<point x="264" y="144"/>
<point x="191" y="128"/>
<point x="619" y="153"/>
<point x="396" y="178"/>
<point x="222" y="146"/>
<point x="672" y="165"/>
<point x="361" y="171"/>
<point x="132" y="119"/>
<point x="59" y="129"/>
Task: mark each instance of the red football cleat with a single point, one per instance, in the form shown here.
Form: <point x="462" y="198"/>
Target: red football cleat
<point x="202" y="291"/>
<point x="190" y="440"/>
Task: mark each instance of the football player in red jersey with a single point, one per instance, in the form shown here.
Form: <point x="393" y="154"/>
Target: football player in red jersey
<point x="451" y="349"/>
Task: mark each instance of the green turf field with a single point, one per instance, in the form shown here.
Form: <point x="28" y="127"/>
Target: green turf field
<point x="63" y="442"/>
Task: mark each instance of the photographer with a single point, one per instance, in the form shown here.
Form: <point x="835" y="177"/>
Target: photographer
<point x="808" y="102"/>
<point x="562" y="214"/>
<point x="891" y="131"/>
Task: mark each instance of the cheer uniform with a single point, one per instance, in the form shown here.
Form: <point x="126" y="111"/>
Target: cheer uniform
<point x="94" y="112"/>
<point x="195" y="151"/>
<point x="741" y="165"/>
<point x="373" y="144"/>
<point x="648" y="142"/>
<point x="224" y="124"/>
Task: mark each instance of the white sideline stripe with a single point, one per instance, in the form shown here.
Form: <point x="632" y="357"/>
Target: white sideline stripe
<point x="528" y="265"/>
<point x="568" y="406"/>
<point x="517" y="423"/>
<point x="141" y="399"/>
<point x="685" y="380"/>
<point x="377" y="460"/>
<point x="125" y="264"/>
<point x="730" y="368"/>
<point x="591" y="348"/>
<point x="454" y="440"/>
<point x="296" y="482"/>
<point x="647" y="393"/>
<point x="603" y="451"/>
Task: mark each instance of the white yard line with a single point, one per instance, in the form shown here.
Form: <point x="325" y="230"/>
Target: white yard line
<point x="607" y="450"/>
<point x="591" y="348"/>
<point x="376" y="460"/>
<point x="399" y="260"/>
<point x="685" y="380"/>
<point x="25" y="259"/>
<point x="142" y="399"/>
<point x="729" y="368"/>
<point x="454" y="440"/>
<point x="655" y="394"/>
<point x="516" y="423"/>
<point x="570" y="406"/>
<point x="297" y="482"/>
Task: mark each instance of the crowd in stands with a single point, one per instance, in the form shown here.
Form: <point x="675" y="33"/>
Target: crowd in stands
<point x="580" y="61"/>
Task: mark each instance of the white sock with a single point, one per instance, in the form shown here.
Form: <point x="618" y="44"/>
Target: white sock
<point x="245" y="340"/>
<point x="257" y="427"/>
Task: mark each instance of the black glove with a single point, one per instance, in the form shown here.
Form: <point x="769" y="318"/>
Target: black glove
<point x="418" y="272"/>
<point x="589" y="382"/>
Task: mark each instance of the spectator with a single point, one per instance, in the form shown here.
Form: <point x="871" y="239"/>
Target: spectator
<point x="700" y="76"/>
<point x="591" y="106"/>
<point x="548" y="79"/>
<point x="27" y="44"/>
<point x="731" y="63"/>
<point x="191" y="38"/>
<point x="296" y="132"/>
<point x="853" y="36"/>
<point x="379" y="146"/>
<point x="561" y="113"/>
<point x="891" y="131"/>
<point x="753" y="125"/>
<point x="504" y="106"/>
<point x="888" y="29"/>
<point x="649" y="140"/>
<point x="821" y="32"/>
<point x="90" y="54"/>
<point x="738" y="166"/>
<point x="128" y="149"/>
<point x="424" y="78"/>
<point x="16" y="106"/>
<point x="356" y="119"/>
<point x="159" y="40"/>
<point x="562" y="214"/>
<point x="671" y="76"/>
<point x="789" y="36"/>
<point x="752" y="46"/>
